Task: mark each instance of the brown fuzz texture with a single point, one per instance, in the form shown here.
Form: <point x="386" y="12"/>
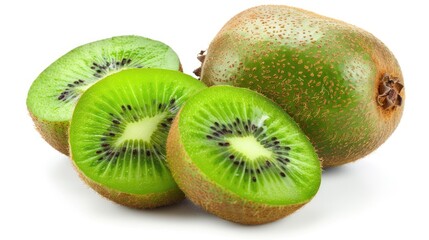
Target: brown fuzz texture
<point x="146" y="201"/>
<point x="55" y="133"/>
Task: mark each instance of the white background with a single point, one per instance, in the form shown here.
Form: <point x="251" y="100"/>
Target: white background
<point x="384" y="195"/>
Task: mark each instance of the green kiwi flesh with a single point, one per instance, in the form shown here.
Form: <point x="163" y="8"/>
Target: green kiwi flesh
<point x="53" y="95"/>
<point x="341" y="84"/>
<point x="240" y="156"/>
<point x="118" y="133"/>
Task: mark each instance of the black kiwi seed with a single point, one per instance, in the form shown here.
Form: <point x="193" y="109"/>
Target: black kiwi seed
<point x="231" y="157"/>
<point x="99" y="71"/>
<point x="115" y="121"/>
<point x="282" y="174"/>
<point x="254" y="179"/>
<point x="209" y="137"/>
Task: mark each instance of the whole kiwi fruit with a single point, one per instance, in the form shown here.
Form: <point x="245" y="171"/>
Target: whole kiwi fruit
<point x="341" y="84"/>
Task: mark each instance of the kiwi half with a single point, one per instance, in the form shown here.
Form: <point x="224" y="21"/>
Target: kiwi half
<point x="118" y="133"/>
<point x="53" y="95"/>
<point x="240" y="156"/>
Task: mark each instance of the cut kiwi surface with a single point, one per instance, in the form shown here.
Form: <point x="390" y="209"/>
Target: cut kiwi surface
<point x="53" y="95"/>
<point x="118" y="133"/>
<point x="240" y="156"/>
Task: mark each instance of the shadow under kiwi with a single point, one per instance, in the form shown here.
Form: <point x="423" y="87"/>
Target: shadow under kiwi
<point x="344" y="190"/>
<point x="71" y="186"/>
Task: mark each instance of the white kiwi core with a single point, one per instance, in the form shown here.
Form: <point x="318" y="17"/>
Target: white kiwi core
<point x="249" y="147"/>
<point x="142" y="129"/>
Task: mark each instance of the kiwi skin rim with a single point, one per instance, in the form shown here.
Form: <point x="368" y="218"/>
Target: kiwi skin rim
<point x="144" y="201"/>
<point x="55" y="133"/>
<point x="212" y="197"/>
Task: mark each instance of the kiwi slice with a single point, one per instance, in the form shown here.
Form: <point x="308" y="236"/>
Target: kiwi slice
<point x="53" y="95"/>
<point x="241" y="157"/>
<point x="118" y="133"/>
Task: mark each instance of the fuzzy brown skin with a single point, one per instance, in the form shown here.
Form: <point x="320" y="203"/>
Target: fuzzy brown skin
<point x="146" y="201"/>
<point x="212" y="197"/>
<point x="325" y="73"/>
<point x="55" y="133"/>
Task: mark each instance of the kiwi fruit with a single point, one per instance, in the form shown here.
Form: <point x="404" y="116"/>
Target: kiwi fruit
<point x="118" y="132"/>
<point x="239" y="156"/>
<point x="53" y="95"/>
<point x="341" y="84"/>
